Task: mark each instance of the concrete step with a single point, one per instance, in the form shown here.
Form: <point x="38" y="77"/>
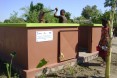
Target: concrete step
<point x="86" y="57"/>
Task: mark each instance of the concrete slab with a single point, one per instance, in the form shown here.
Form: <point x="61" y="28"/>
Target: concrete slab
<point x="85" y="57"/>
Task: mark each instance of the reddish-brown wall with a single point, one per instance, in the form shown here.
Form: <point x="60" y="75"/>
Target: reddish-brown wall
<point x="84" y="37"/>
<point x="14" y="39"/>
<point x="66" y="40"/>
<point x="89" y="37"/>
<point x="96" y="35"/>
<point x="47" y="49"/>
<point x="68" y="44"/>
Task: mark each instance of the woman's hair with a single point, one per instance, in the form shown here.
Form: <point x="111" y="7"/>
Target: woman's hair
<point x="62" y="11"/>
<point x="104" y="22"/>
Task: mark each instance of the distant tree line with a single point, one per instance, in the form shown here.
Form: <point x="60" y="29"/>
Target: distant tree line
<point x="90" y="14"/>
<point x="30" y="15"/>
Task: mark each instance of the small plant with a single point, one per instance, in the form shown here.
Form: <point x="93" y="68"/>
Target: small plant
<point x="42" y="76"/>
<point x="71" y="69"/>
<point x="42" y="63"/>
<point x="9" y="65"/>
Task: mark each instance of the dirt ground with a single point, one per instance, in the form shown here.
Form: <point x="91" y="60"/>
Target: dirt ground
<point x="91" y="69"/>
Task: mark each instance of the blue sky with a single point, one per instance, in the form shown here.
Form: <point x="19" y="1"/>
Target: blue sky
<point x="73" y="6"/>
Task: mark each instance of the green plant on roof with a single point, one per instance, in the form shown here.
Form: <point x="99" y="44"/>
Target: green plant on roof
<point x="41" y="63"/>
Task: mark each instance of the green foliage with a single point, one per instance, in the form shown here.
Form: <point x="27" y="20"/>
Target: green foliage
<point x="68" y="14"/>
<point x="113" y="5"/>
<point x="9" y="65"/>
<point x="110" y="3"/>
<point x="14" y="18"/>
<point x="8" y="70"/>
<point x="31" y="13"/>
<point x="33" y="17"/>
<point x="92" y="13"/>
<point x="106" y="14"/>
<point x="37" y="7"/>
<point x="49" y="17"/>
<point x="71" y="69"/>
<point x="87" y="12"/>
<point x="13" y="54"/>
<point x="6" y="21"/>
<point x="42" y="76"/>
<point x="70" y="21"/>
<point x="26" y="12"/>
<point x="42" y="63"/>
<point x="97" y="19"/>
<point x="82" y="20"/>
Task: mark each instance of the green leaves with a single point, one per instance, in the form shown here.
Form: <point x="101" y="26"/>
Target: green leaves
<point x="42" y="63"/>
<point x="8" y="65"/>
<point x="110" y="3"/>
<point x="31" y="12"/>
<point x="90" y="12"/>
<point x="13" y="54"/>
<point x="8" y="72"/>
<point x="14" y="18"/>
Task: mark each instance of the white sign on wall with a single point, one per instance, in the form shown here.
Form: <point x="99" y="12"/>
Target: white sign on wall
<point x="44" y="36"/>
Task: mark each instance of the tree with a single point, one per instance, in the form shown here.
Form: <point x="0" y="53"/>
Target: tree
<point x="91" y="12"/>
<point x="97" y="18"/>
<point x="106" y="14"/>
<point x="38" y="6"/>
<point x="68" y="16"/>
<point x="112" y="4"/>
<point x="6" y="21"/>
<point x="49" y="17"/>
<point x="31" y="13"/>
<point x="14" y="18"/>
<point x="87" y="12"/>
<point x="80" y="20"/>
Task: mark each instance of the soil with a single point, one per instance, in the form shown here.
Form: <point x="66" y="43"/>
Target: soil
<point x="91" y="69"/>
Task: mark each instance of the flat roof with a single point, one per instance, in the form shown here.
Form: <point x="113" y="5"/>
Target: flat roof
<point x="45" y="25"/>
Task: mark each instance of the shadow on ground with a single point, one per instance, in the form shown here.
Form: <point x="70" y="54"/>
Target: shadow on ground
<point x="89" y="64"/>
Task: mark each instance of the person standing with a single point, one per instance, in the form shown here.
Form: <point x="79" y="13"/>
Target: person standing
<point x="41" y="16"/>
<point x="62" y="18"/>
<point x="104" y="41"/>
